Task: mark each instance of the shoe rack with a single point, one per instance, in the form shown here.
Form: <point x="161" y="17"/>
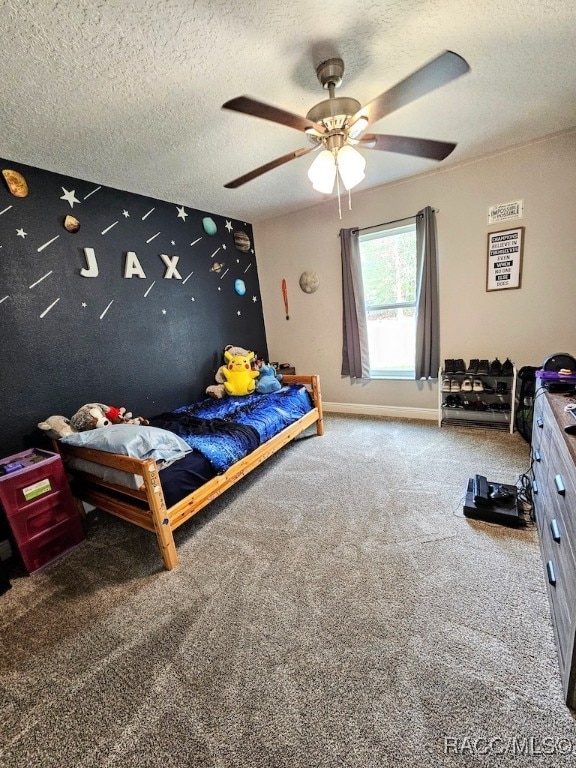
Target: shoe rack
<point x="480" y="394"/>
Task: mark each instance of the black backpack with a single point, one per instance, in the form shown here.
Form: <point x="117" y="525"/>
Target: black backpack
<point x="525" y="400"/>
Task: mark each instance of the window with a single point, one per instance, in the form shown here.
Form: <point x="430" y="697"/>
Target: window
<point x="389" y="272"/>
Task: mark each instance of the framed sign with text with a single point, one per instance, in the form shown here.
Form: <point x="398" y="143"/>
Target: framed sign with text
<point x="504" y="267"/>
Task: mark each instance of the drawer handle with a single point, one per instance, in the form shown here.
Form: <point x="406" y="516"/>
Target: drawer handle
<point x="551" y="573"/>
<point x="539" y="422"/>
<point x="534" y="486"/>
<point x="537" y="456"/>
<point x="555" y="530"/>
<point x="559" y="483"/>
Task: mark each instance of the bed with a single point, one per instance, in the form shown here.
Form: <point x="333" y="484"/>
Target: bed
<point x="142" y="490"/>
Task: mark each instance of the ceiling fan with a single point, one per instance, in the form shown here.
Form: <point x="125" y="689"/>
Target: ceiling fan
<point x="337" y="124"/>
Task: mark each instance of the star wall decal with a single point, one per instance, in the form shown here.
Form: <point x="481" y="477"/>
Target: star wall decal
<point x="20" y="233"/>
<point x="126" y="214"/>
<point x="181" y="212"/>
<point x="84" y="304"/>
<point x="69" y="196"/>
<point x="228" y="226"/>
<point x="223" y="246"/>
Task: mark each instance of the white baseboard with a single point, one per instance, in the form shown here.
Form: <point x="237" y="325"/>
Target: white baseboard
<point x="390" y="411"/>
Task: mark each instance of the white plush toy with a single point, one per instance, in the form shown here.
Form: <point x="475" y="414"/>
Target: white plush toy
<point x="56" y="427"/>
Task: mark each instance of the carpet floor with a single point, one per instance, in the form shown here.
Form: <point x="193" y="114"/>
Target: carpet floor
<point x="333" y="609"/>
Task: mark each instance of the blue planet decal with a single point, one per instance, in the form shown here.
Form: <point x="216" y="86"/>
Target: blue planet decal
<point x="240" y="287"/>
<point x="209" y="225"/>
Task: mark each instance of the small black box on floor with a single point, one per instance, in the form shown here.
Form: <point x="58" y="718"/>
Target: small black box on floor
<point x="504" y="511"/>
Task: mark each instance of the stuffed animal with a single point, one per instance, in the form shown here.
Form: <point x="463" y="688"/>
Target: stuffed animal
<point x="122" y="416"/>
<point x="268" y="380"/>
<point x="217" y="390"/>
<point x="239" y="374"/>
<point x="56" y="427"/>
<point x="90" y="416"/>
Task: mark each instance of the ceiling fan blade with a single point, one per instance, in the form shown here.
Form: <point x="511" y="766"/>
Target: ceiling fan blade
<point x="268" y="167"/>
<point x="407" y="145"/>
<point x="250" y="106"/>
<point x="441" y="70"/>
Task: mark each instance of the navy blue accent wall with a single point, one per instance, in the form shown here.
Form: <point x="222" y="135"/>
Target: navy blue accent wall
<point x="151" y="341"/>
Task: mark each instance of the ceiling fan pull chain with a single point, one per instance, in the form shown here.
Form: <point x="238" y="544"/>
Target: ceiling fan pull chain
<point x="349" y="199"/>
<point x="338" y="190"/>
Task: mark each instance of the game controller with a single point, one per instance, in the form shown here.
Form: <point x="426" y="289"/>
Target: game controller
<point x="499" y="493"/>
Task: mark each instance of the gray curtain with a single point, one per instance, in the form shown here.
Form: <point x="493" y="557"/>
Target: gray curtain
<point x="427" y="304"/>
<point x="355" y="360"/>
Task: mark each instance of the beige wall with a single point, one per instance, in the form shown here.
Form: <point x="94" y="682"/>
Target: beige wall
<point x="526" y="324"/>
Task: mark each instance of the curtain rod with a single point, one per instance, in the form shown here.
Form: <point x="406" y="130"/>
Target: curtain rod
<point x="385" y="223"/>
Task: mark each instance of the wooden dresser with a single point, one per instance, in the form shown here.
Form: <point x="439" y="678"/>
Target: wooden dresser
<point x="554" y="494"/>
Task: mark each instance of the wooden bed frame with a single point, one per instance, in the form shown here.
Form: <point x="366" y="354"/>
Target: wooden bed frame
<point x="146" y="507"/>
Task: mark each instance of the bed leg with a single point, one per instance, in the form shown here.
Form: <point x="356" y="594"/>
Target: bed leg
<point x="317" y="397"/>
<point x="160" y="517"/>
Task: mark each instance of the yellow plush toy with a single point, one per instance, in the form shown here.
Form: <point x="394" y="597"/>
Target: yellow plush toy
<point x="238" y="374"/>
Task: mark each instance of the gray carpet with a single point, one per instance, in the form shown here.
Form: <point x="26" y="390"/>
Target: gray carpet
<point x="333" y="609"/>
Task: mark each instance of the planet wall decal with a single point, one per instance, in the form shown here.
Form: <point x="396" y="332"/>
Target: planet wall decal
<point x="240" y="287"/>
<point x="209" y="225"/>
<point x="242" y="241"/>
<point x="71" y="224"/>
<point x="16" y="183"/>
<point x="217" y="267"/>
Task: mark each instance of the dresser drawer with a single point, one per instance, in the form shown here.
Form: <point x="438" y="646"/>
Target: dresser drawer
<point x="561" y="486"/>
<point x="559" y="596"/>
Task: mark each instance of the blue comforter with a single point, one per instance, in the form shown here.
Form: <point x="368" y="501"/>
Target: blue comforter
<point x="224" y="431"/>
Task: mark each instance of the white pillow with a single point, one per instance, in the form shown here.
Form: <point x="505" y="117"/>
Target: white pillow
<point x="138" y="441"/>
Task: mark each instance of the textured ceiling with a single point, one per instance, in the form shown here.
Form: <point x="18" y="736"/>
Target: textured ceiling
<point x="128" y="94"/>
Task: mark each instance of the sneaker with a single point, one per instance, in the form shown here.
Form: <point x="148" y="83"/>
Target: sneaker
<point x="501" y="388"/>
<point x="459" y="366"/>
<point x="467" y="385"/>
<point x="446" y="385"/>
<point x="483" y="368"/>
<point x="473" y="367"/>
<point x="477" y="385"/>
<point x="507" y="367"/>
<point x="448" y="366"/>
<point x="495" y="367"/>
<point x="454" y="385"/>
<point x="480" y="405"/>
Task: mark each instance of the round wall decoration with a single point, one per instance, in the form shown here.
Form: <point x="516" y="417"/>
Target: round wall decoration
<point x="309" y="282"/>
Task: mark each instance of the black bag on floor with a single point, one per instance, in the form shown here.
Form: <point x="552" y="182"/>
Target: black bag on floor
<point x="525" y="400"/>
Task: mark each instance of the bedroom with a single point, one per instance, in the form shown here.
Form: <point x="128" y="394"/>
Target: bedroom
<point x="131" y="102"/>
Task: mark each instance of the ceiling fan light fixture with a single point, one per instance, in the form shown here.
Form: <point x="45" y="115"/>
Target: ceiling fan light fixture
<point x="351" y="165"/>
<point x="322" y="172"/>
<point x="360" y="125"/>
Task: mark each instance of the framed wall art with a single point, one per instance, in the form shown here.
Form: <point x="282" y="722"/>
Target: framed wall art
<point x="504" y="268"/>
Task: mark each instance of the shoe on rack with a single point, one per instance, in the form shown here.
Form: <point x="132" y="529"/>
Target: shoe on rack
<point x="501" y="388"/>
<point x="446" y="385"/>
<point x="495" y="367"/>
<point x="459" y="366"/>
<point x="473" y="367"/>
<point x="483" y="368"/>
<point x="507" y="367"/>
<point x="488" y="390"/>
<point x="448" y="366"/>
<point x="467" y="385"/>
<point x="454" y="385"/>
<point x="477" y="385"/>
<point x="480" y="405"/>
